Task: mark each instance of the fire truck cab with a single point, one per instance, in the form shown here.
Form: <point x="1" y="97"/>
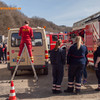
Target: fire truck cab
<point x="53" y="37"/>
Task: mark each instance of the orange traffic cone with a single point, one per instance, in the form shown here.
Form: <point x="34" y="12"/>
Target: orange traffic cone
<point x="12" y="95"/>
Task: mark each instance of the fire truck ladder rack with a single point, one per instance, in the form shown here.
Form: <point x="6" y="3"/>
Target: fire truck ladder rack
<point x="35" y="75"/>
<point x="88" y="19"/>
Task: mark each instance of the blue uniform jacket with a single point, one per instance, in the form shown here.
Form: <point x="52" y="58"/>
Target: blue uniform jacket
<point x="97" y="54"/>
<point x="76" y="56"/>
<point x="1" y="51"/>
<point x="57" y="57"/>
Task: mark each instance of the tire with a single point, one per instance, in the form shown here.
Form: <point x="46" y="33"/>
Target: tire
<point x="45" y="71"/>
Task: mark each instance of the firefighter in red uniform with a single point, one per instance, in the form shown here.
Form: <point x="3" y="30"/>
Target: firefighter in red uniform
<point x="26" y="34"/>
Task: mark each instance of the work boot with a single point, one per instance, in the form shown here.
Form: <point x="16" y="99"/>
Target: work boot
<point x="97" y="89"/>
<point x="53" y="88"/>
<point x="69" y="90"/>
<point x="53" y="91"/>
<point x="58" y="91"/>
<point x="77" y="91"/>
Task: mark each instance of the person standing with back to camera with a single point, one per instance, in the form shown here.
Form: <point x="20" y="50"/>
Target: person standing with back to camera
<point x="97" y="63"/>
<point x="5" y="53"/>
<point x="57" y="58"/>
<point x="1" y="53"/>
<point x="26" y="34"/>
<point x="76" y="60"/>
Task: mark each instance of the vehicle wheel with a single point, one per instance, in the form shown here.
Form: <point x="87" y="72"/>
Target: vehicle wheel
<point x="45" y="71"/>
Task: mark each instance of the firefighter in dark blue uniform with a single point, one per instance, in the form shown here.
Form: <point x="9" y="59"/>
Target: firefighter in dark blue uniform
<point x="85" y="71"/>
<point x="97" y="64"/>
<point x="57" y="58"/>
<point x="1" y="53"/>
<point x="5" y="52"/>
<point x="76" y="60"/>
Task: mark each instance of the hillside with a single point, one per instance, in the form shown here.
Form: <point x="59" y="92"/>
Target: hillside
<point x="15" y="19"/>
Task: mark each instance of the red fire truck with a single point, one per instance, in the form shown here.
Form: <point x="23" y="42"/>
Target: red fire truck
<point x="89" y="30"/>
<point x="53" y="37"/>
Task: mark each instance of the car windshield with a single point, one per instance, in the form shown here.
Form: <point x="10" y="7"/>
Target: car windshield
<point x="37" y="41"/>
<point x="15" y="40"/>
<point x="54" y="37"/>
<point x="61" y="37"/>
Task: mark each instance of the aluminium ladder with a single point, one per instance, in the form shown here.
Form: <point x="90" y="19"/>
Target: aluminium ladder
<point x="35" y="75"/>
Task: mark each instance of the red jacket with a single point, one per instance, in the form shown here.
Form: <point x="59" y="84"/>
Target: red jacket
<point x="26" y="33"/>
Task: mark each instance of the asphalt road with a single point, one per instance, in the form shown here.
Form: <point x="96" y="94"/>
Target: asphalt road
<point x="26" y="89"/>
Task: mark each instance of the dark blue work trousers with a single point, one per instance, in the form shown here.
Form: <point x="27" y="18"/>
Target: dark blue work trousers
<point x="57" y="73"/>
<point x="85" y="72"/>
<point x="75" y="73"/>
<point x="98" y="75"/>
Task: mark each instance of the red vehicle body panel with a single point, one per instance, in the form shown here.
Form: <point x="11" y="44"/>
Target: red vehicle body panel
<point x="53" y="37"/>
<point x="90" y="33"/>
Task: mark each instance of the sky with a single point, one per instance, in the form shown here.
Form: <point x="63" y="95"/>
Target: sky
<point x="60" y="12"/>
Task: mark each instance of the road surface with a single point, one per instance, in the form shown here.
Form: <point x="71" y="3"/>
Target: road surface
<point x="26" y="89"/>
